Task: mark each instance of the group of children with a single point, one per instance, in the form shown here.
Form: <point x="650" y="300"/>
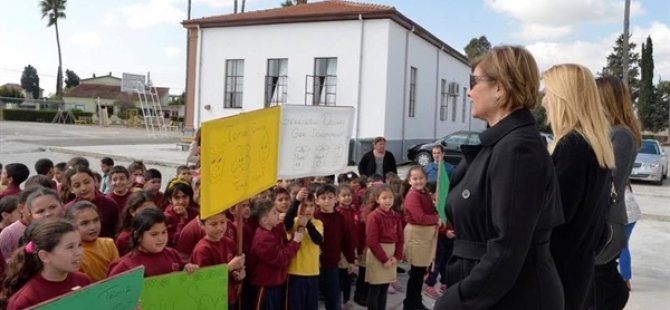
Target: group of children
<point x="285" y="247"/>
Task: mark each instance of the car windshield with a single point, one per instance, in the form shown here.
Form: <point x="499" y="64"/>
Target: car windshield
<point x="649" y="148"/>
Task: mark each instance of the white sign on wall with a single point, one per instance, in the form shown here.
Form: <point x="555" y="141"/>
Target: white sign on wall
<point x="132" y="82"/>
<point x="314" y="140"/>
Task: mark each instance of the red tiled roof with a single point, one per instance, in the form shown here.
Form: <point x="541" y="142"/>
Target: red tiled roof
<point x="328" y="10"/>
<point x="107" y="92"/>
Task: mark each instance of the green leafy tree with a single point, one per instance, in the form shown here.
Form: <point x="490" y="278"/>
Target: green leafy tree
<point x="615" y="66"/>
<point x="54" y="10"/>
<point x="10" y="92"/>
<point x="477" y="47"/>
<point x="30" y="81"/>
<point x="71" y="79"/>
<point x="662" y="106"/>
<point x="645" y="106"/>
<point x="288" y="3"/>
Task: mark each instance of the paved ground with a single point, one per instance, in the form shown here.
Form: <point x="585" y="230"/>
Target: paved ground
<point x="28" y="142"/>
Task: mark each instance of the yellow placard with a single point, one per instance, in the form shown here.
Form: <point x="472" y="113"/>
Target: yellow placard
<point x="238" y="158"/>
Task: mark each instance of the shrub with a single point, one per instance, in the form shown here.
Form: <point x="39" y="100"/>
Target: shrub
<point x="42" y="116"/>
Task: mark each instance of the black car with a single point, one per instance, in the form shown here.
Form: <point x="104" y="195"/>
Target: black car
<point x="422" y="153"/>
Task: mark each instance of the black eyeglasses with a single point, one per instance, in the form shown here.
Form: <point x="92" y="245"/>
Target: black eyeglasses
<point x="474" y="79"/>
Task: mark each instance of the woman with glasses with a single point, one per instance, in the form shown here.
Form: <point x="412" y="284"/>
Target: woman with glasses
<point x="504" y="198"/>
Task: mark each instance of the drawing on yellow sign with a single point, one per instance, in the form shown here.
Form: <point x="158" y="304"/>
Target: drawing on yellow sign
<point x="239" y="158"/>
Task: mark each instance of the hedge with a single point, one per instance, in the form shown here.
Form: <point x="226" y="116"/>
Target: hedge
<point x="42" y="116"/>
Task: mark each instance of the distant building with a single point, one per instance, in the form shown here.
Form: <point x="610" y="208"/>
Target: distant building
<point x="406" y="84"/>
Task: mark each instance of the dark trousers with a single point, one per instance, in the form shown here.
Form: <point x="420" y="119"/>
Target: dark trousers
<point x="377" y="296"/>
<point x="442" y="254"/>
<point x="302" y="292"/>
<point x="361" y="293"/>
<point x="414" y="286"/>
<point x="609" y="288"/>
<point x="269" y="298"/>
<point x="345" y="284"/>
<point x="330" y="287"/>
<point x="248" y="296"/>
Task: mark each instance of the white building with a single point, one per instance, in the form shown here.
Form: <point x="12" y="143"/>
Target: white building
<point x="406" y="84"/>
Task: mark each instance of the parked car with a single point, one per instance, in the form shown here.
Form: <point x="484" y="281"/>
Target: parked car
<point x="651" y="163"/>
<point x="422" y="153"/>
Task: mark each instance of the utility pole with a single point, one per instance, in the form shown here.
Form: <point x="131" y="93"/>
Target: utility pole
<point x="626" y="19"/>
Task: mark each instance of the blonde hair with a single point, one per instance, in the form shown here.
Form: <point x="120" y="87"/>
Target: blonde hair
<point x="515" y="70"/>
<point x="618" y="105"/>
<point x="575" y="106"/>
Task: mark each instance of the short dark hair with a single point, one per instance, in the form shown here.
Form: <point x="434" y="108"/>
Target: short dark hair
<point x="18" y="172"/>
<point x="260" y="209"/>
<point x="62" y="166"/>
<point x="182" y="167"/>
<point x="326" y="188"/>
<point x="143" y="221"/>
<point x="43" y="166"/>
<point x="438" y="146"/>
<point x="119" y="169"/>
<point x="138" y="164"/>
<point x="97" y="177"/>
<point x="79" y="206"/>
<point x="107" y="161"/>
<point x="23" y="197"/>
<point x="78" y="161"/>
<point x="152" y="174"/>
<point x="278" y="191"/>
<point x="375" y="178"/>
<point x="38" y="179"/>
<point x="8" y="204"/>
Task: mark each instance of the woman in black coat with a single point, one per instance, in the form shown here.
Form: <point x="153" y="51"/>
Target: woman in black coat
<point x="377" y="161"/>
<point x="583" y="156"/>
<point x="504" y="200"/>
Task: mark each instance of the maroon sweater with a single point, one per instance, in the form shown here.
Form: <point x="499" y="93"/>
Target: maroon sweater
<point x="155" y="264"/>
<point x="11" y="190"/>
<point x="108" y="211"/>
<point x="175" y="222"/>
<point x="189" y="237"/>
<point x="122" y="242"/>
<point x="269" y="257"/>
<point x="419" y="209"/>
<point x="351" y="218"/>
<point x="384" y="227"/>
<point x="38" y="289"/>
<point x="120" y="200"/>
<point x="337" y="239"/>
<point x="210" y="253"/>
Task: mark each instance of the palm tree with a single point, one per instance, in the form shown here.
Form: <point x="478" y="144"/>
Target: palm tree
<point x="55" y="10"/>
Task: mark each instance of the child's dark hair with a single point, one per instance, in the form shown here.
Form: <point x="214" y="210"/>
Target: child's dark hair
<point x="25" y="263"/>
<point x="18" y="172"/>
<point x="324" y="189"/>
<point x="78" y="161"/>
<point x="97" y="177"/>
<point x="77" y="169"/>
<point x="142" y="222"/>
<point x="375" y="178"/>
<point x="36" y="192"/>
<point x="377" y="190"/>
<point x="431" y="187"/>
<point x="119" y="169"/>
<point x="406" y="186"/>
<point x="135" y="200"/>
<point x="344" y="187"/>
<point x="152" y="174"/>
<point x="346" y="177"/>
<point x="137" y="165"/>
<point x="177" y="185"/>
<point x="8" y="204"/>
<point x="260" y="209"/>
<point x="279" y="191"/>
<point x="43" y="166"/>
<point x="107" y="161"/>
<point x="182" y="168"/>
<point x="62" y="166"/>
<point x="79" y="206"/>
<point x="38" y="179"/>
<point x="23" y="196"/>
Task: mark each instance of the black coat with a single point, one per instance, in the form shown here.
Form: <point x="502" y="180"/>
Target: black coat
<point x="585" y="193"/>
<point x="503" y="203"/>
<point x="367" y="166"/>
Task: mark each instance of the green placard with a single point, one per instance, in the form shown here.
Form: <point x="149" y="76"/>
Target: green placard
<point x="116" y="293"/>
<point x="205" y="289"/>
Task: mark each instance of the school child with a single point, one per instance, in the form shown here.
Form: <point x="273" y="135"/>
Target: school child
<point x="78" y="161"/>
<point x="99" y="253"/>
<point x="152" y="184"/>
<point x="179" y="212"/>
<point x="35" y="204"/>
<point x="368" y="203"/>
<point x="384" y="239"/>
<point x="357" y="184"/>
<point x="215" y="249"/>
<point x="344" y="207"/>
<point x="303" y="271"/>
<point x="136" y="202"/>
<point x="120" y="180"/>
<point x="184" y="174"/>
<point x="45" y="166"/>
<point x="242" y="211"/>
<point x="282" y="201"/>
<point x="12" y="176"/>
<point x="149" y="248"/>
<point x="106" y="165"/>
<point x="293" y="189"/>
<point x="80" y="182"/>
<point x="136" y="170"/>
<point x="188" y="238"/>
<point x="420" y="234"/>
<point x="39" y="180"/>
<point x="337" y="240"/>
<point x="46" y="267"/>
<point x="9" y="211"/>
<point x="59" y="174"/>
<point x="270" y="256"/>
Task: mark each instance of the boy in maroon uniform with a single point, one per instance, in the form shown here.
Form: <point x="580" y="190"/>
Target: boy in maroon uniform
<point x="119" y="178"/>
<point x="12" y="176"/>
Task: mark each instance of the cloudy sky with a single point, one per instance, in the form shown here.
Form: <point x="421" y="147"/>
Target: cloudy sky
<point x="139" y="36"/>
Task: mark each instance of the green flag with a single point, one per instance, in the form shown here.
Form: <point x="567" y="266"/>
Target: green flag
<point x="442" y="191"/>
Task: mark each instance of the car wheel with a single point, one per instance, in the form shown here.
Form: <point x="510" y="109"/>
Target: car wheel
<point x="423" y="158"/>
<point x="660" y="180"/>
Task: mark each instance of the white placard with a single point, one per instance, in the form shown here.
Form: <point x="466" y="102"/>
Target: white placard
<point x="314" y="140"/>
<point x="132" y="82"/>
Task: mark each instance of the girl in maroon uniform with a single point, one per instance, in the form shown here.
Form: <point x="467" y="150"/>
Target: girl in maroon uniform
<point x="136" y="202"/>
<point x="81" y="183"/>
<point x="180" y="210"/>
<point x="46" y="267"/>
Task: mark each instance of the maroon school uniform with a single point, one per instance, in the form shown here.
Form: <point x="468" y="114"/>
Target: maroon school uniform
<point x="248" y="230"/>
<point x="270" y="255"/>
<point x="122" y="242"/>
<point x="231" y="230"/>
<point x="175" y="223"/>
<point x="384" y="227"/>
<point x="154" y="264"/>
<point x="120" y="200"/>
<point x="38" y="289"/>
<point x="11" y="190"/>
<point x="109" y="214"/>
<point x="159" y="200"/>
<point x="210" y="253"/>
<point x="337" y="239"/>
<point x="351" y="218"/>
<point x="419" y="209"/>
<point x="189" y="237"/>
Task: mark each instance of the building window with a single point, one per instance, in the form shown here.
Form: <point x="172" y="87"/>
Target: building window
<point x="465" y="90"/>
<point x="234" y="83"/>
<point x="276" y="82"/>
<point x="412" y="91"/>
<point x="323" y="82"/>
<point x="444" y="100"/>
<point x="453" y="93"/>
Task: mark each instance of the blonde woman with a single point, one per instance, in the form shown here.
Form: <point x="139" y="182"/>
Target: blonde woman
<point x="504" y="198"/>
<point x="583" y="157"/>
<point x="611" y="291"/>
